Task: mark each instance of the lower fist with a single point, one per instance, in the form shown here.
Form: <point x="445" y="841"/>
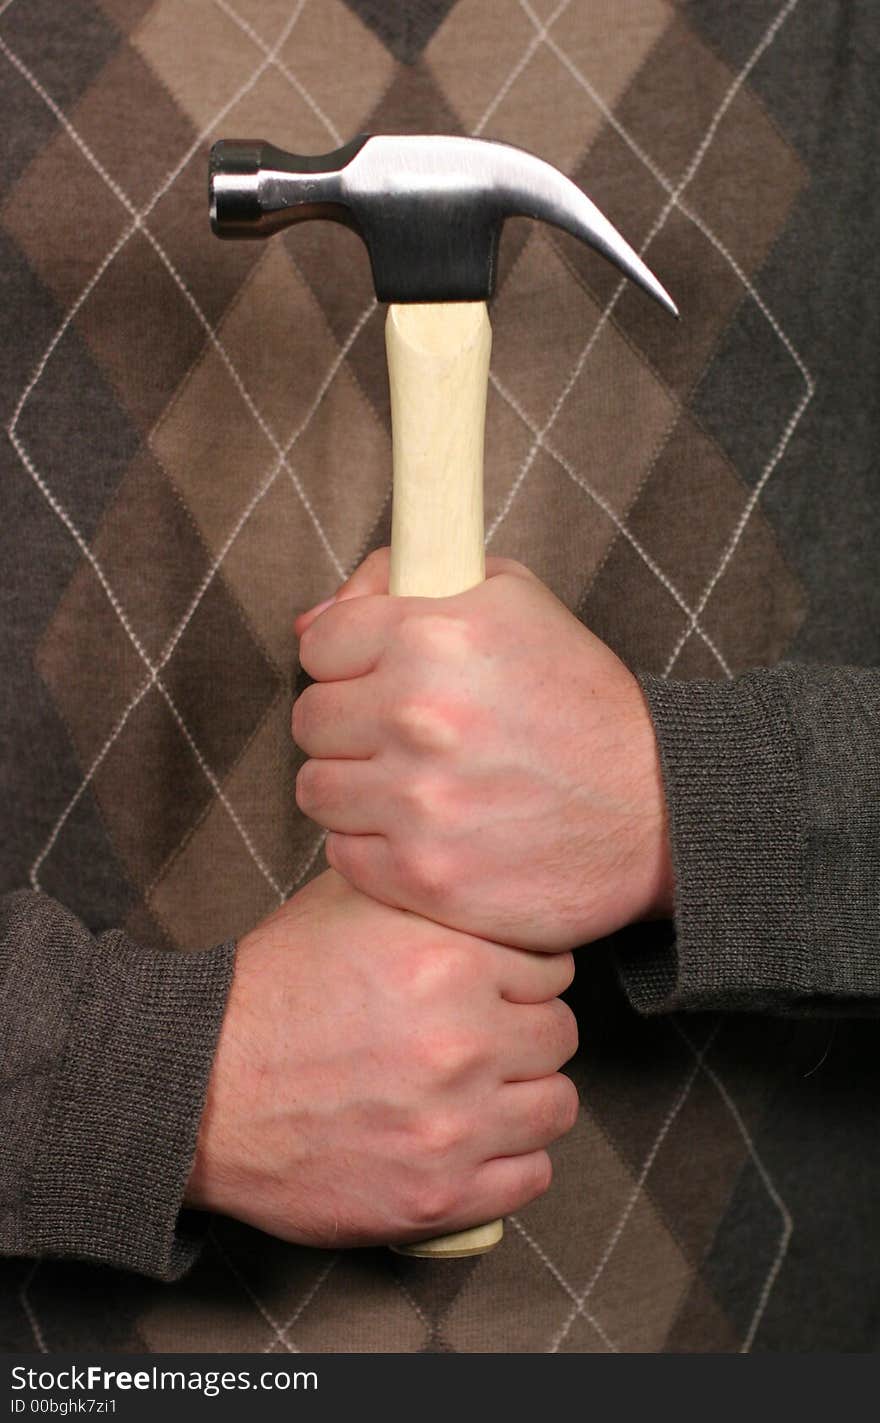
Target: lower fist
<point x="380" y="1079"/>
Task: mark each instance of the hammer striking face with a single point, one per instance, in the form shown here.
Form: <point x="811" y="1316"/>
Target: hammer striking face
<point x="430" y="210"/>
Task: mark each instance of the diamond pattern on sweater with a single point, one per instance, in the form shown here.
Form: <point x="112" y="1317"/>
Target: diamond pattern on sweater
<point x="172" y="32"/>
<point x="405" y="34"/>
<point x="64" y="255"/>
<point x="340" y="60"/>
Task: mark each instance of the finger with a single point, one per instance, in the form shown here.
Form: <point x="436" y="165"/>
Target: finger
<point x="528" y="977"/>
<point x="369" y="863"/>
<point x="366" y="862"/>
<point x="496" y="1188"/>
<point x="496" y="566"/>
<point x="533" y="1114"/>
<point x="336" y="719"/>
<point x="536" y="1039"/>
<point x="348" y="639"/>
<point x="356" y="858"/>
<point x="505" y="1184"/>
<point x="340" y="795"/>
<point x="371" y="576"/>
<point x="305" y="620"/>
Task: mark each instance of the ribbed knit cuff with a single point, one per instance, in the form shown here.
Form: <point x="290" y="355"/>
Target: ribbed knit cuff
<point x="118" y="1139"/>
<point x="771" y="787"/>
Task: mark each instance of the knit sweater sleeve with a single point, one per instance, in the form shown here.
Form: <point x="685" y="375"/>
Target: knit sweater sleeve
<point x="106" y="1051"/>
<point x="772" y="784"/>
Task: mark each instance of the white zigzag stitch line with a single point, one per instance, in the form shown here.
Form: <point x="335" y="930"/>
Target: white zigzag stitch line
<point x="138" y="224"/>
<point x="126" y="203"/>
<point x="306" y="1301"/>
<point x="260" y="1304"/>
<point x="25" y="1300"/>
<point x="619" y="523"/>
<point x="209" y="575"/>
<point x="40" y="482"/>
<point x="770" y="1187"/>
<point x="539" y="435"/>
<point x="625" y="1216"/>
<point x="776" y="456"/>
<point x="766" y="40"/>
<point x="560" y="1279"/>
<point x="675" y="193"/>
<point x="519" y="68"/>
<point x="692" y="168"/>
<point x="87" y="553"/>
<point x="282" y="68"/>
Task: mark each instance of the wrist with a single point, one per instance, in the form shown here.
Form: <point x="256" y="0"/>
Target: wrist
<point x="654" y="853"/>
<point x="212" y="1168"/>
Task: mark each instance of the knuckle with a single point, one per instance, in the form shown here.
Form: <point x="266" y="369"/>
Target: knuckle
<point x="425" y="798"/>
<point x="439" y="1137"/>
<point x="411" y="966"/>
<point x="568" y="1105"/>
<point x="452" y="965"/>
<point x="435" y="636"/>
<point x="426" y="874"/>
<point x="306" y="649"/>
<point x="536" y="1177"/>
<point x="311" y="786"/>
<point x="537" y="1115"/>
<point x="567" y="965"/>
<point x="449" y="1053"/>
<point x="565" y="1035"/>
<point x="335" y="856"/>
<point x="431" y="1203"/>
<point x="425" y="724"/>
<point x="300" y="720"/>
<point x="571" y="1033"/>
<point x="570" y="1036"/>
<point x="440" y="973"/>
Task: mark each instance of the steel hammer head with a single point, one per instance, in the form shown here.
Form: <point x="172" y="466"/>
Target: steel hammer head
<point x="429" y="207"/>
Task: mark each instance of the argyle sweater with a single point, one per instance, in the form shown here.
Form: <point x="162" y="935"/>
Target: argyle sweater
<point x="198" y="447"/>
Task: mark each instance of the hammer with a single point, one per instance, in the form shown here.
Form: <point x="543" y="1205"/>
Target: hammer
<point x="430" y="209"/>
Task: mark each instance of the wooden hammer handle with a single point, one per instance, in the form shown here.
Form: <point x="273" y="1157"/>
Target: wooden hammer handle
<point x="438" y="367"/>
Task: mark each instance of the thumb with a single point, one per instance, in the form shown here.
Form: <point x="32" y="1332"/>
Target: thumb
<point x="371" y="576"/>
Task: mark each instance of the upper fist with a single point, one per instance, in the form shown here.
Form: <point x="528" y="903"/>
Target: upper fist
<point x="483" y="760"/>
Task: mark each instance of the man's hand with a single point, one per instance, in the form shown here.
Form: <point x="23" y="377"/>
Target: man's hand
<point x="483" y="760"/>
<point x="381" y="1079"/>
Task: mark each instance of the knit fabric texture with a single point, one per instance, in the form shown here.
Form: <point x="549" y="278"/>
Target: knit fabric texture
<point x="107" y="1048"/>
<point x="771" y="790"/>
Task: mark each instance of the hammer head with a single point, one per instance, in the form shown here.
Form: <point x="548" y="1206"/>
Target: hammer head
<point x="430" y="207"/>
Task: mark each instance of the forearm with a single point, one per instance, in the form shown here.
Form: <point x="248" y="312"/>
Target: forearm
<point x="771" y="784"/>
<point x="106" y="1053"/>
